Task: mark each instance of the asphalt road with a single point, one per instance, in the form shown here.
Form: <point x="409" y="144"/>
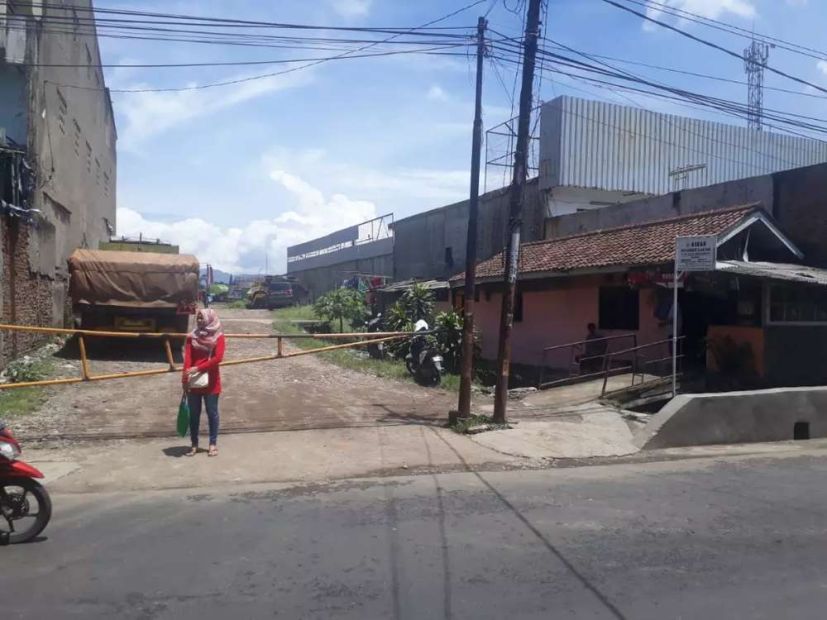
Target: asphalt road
<point x="727" y="538"/>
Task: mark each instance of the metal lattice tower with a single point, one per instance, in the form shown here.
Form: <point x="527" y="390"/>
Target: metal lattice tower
<point x="755" y="60"/>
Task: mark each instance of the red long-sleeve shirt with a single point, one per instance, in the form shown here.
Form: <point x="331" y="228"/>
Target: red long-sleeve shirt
<point x="204" y="362"/>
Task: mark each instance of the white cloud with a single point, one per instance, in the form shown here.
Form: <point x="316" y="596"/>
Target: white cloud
<point x="352" y="8"/>
<point x="797" y="2"/>
<point x="822" y="66"/>
<point x="242" y="249"/>
<point x="147" y="114"/>
<point x="712" y="9"/>
<point x="435" y="93"/>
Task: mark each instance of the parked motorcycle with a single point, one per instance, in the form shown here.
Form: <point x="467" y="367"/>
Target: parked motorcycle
<point x="374" y="325"/>
<point x="25" y="506"/>
<point x="423" y="361"/>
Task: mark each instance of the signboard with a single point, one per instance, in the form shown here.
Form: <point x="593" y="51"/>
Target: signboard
<point x="695" y="253"/>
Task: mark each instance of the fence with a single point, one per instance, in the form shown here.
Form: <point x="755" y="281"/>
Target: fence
<point x="577" y="360"/>
<point x="166" y="338"/>
<point x="640" y="365"/>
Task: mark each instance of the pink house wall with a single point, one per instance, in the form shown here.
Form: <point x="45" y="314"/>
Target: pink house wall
<point x="558" y="316"/>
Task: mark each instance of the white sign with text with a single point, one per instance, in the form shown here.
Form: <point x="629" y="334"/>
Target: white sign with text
<point x="695" y="253"/>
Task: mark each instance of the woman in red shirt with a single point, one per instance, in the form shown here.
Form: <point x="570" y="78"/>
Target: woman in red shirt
<point x="203" y="352"/>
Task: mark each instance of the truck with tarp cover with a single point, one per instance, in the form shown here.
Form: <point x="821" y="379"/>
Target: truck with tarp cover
<point x="133" y="291"/>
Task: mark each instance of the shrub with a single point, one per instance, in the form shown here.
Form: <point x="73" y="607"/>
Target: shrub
<point x="341" y="304"/>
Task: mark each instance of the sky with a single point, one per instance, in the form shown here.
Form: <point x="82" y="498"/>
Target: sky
<point x="236" y="174"/>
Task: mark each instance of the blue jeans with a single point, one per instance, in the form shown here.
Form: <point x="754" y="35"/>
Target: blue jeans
<point x="194" y="401"/>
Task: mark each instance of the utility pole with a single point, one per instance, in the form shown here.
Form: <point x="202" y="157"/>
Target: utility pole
<point x="467" y="370"/>
<point x="512" y="252"/>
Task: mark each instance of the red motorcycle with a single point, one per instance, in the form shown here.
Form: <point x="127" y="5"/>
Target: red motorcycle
<point x="25" y="507"/>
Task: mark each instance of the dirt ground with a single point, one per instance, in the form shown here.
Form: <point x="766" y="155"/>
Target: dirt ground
<point x="299" y="393"/>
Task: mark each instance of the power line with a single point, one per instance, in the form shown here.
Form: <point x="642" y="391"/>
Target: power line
<point x="313" y="63"/>
<point x="730" y="28"/>
<point x="722" y="104"/>
<point x="706" y="76"/>
<point x="720" y="48"/>
<point x="184" y="19"/>
<point x="238" y="63"/>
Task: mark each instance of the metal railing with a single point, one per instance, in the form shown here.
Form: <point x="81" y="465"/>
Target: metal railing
<point x="576" y="359"/>
<point x="86" y="375"/>
<point x="640" y="365"/>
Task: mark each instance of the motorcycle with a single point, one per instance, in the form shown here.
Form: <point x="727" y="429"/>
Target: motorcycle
<point x="423" y="361"/>
<point x="25" y="506"/>
<point x="377" y="351"/>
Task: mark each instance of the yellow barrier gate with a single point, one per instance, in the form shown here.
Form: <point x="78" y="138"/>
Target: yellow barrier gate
<point x="86" y="375"/>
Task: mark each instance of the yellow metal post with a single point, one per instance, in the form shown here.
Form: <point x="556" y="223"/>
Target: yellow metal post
<point x="84" y="361"/>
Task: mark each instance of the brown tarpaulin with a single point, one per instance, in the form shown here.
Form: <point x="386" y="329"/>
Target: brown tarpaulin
<point x="133" y="279"/>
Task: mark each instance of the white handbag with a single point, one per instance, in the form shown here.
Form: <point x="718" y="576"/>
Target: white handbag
<point x="199" y="380"/>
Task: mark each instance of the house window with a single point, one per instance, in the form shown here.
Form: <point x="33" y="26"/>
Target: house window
<point x="76" y="136"/>
<point x="62" y="109"/>
<point x="88" y="158"/>
<point x="798" y="304"/>
<point x="88" y="63"/>
<point x="619" y="308"/>
<point x="97" y="171"/>
<point x="518" y="308"/>
<point x="105" y="184"/>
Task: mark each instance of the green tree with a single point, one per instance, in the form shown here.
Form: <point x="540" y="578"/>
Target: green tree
<point x="341" y="304"/>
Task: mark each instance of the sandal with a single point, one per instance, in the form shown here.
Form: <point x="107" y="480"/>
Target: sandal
<point x="193" y="451"/>
<point x="213" y="451"/>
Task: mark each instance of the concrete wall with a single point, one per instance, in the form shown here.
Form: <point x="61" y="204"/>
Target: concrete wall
<point x="795" y="354"/>
<point x="323" y="279"/>
<point x="564" y="200"/>
<point x="70" y="140"/>
<point x="558" y="315"/>
<point x="800" y="206"/>
<point x="797" y="199"/>
<point x="74" y="146"/>
<point x="736" y="417"/>
<point x="421" y="240"/>
<point x="744" y="191"/>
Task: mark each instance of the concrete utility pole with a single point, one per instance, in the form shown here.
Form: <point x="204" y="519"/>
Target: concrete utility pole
<point x="467" y="370"/>
<point x="512" y="252"/>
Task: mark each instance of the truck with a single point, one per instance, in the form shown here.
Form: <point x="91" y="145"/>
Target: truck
<point x="133" y="291"/>
<point x="276" y="292"/>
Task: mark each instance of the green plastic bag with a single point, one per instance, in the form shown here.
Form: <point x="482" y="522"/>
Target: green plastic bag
<point x="183" y="417"/>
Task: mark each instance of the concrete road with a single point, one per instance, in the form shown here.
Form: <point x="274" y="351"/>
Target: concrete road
<point x="700" y="538"/>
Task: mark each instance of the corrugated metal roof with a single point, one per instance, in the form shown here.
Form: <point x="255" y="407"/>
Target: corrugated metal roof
<point x="431" y="285"/>
<point x="775" y="271"/>
<point x="594" y="144"/>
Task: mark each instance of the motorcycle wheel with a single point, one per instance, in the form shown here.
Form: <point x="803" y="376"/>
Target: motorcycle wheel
<point x="18" y="522"/>
<point x="428" y="376"/>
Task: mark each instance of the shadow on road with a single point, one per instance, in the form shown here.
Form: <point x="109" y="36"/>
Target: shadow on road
<point x="176" y="452"/>
<point x="120" y="350"/>
<point x="610" y="607"/>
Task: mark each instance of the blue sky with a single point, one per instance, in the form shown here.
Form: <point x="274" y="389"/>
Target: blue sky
<point x="229" y="172"/>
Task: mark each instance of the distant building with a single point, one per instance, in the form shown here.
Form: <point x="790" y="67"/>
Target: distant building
<point x="595" y="154"/>
<point x="364" y="251"/>
<point x="58" y="158"/>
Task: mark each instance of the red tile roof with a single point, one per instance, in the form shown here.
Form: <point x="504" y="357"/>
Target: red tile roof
<point x="650" y="243"/>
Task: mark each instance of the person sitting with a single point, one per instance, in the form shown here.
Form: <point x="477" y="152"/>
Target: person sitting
<point x="594" y="351"/>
